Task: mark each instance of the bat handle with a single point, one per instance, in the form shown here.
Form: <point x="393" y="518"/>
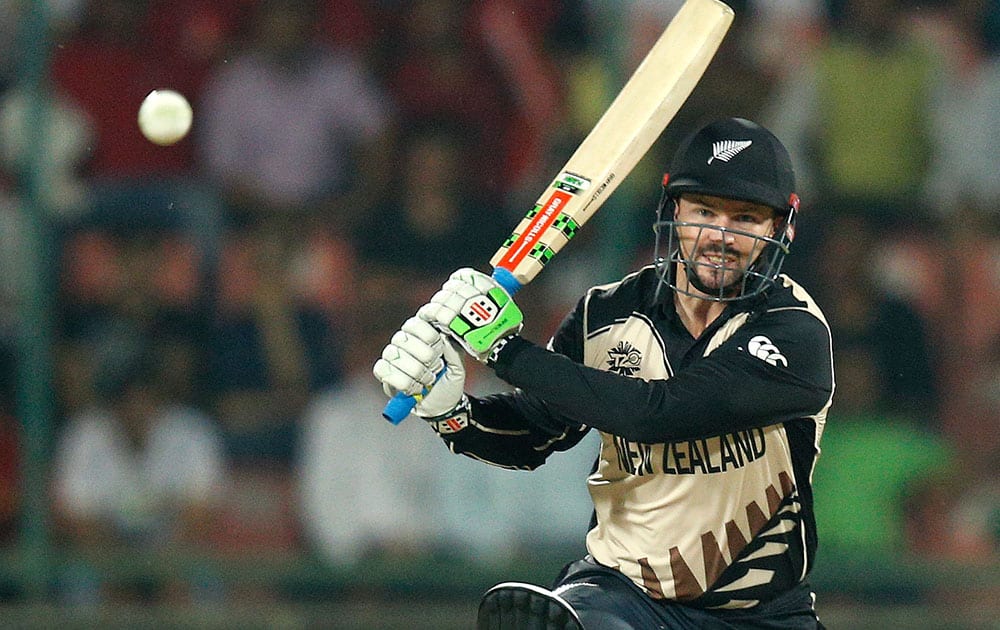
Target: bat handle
<point x="400" y="405"/>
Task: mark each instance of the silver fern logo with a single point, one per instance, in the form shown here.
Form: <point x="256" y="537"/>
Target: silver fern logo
<point x="726" y="150"/>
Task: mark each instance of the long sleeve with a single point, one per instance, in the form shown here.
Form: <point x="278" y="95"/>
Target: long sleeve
<point x="729" y="390"/>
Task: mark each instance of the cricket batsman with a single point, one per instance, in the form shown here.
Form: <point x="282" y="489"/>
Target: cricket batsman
<point x="708" y="375"/>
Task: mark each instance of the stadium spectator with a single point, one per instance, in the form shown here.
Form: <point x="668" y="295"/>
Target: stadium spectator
<point x="430" y="207"/>
<point x="404" y="499"/>
<point x="294" y="137"/>
<point x="137" y="471"/>
<point x="856" y="115"/>
<point x="866" y="315"/>
<point x="270" y="345"/>
<point x="873" y="464"/>
<point x="357" y="498"/>
<point x="964" y="118"/>
<point x="293" y="130"/>
<point x="483" y="66"/>
<point x="802" y="24"/>
<point x="56" y="151"/>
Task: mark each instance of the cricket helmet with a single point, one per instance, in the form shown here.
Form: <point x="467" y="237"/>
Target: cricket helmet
<point x="737" y="159"/>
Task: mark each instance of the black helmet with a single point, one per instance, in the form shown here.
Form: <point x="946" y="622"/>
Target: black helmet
<point x="732" y="158"/>
<point x="736" y="159"/>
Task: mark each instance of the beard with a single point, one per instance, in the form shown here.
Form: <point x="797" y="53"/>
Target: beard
<point x="722" y="279"/>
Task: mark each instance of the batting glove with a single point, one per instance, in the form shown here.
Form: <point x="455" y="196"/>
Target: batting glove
<point x="419" y="361"/>
<point x="476" y="310"/>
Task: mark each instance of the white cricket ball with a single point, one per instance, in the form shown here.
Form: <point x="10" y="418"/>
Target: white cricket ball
<point x="165" y="117"/>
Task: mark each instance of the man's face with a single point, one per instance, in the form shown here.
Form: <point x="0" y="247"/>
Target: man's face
<point x="718" y="259"/>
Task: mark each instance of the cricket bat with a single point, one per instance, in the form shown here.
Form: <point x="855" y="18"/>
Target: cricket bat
<point x="625" y="132"/>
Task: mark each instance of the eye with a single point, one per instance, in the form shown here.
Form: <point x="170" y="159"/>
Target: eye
<point x="750" y="219"/>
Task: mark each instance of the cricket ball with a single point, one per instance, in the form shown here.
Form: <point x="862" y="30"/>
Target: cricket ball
<point x="165" y="117"/>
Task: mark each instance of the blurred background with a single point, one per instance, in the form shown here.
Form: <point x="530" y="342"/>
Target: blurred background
<point x="189" y="432"/>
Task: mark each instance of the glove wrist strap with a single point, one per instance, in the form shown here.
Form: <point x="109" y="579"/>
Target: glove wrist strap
<point x="491" y="358"/>
<point x="454" y="420"/>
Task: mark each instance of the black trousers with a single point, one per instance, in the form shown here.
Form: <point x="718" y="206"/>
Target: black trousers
<point x="606" y="599"/>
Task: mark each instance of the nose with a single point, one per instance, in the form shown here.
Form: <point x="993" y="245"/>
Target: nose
<point x="721" y="234"/>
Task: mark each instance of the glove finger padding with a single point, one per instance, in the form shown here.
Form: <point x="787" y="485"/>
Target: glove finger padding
<point x="449" y="301"/>
<point x="446" y="394"/>
<point x="435" y="313"/>
<point x="393" y="381"/>
<point x="412" y="360"/>
<point x="422" y="340"/>
<point x="480" y="282"/>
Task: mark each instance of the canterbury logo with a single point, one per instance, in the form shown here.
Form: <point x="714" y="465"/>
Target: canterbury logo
<point x="762" y="348"/>
<point x="726" y="150"/>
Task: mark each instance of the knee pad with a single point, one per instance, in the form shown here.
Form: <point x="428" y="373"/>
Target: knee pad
<point x="520" y="606"/>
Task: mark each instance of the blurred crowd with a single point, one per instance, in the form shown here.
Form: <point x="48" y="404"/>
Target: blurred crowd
<point x="218" y="303"/>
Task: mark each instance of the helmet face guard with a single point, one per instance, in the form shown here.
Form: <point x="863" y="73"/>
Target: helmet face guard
<point x="731" y="281"/>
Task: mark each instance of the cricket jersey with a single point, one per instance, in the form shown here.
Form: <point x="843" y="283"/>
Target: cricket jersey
<point x="702" y="487"/>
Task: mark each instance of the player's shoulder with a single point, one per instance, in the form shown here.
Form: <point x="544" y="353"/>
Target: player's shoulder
<point x="634" y="292"/>
<point x="636" y="288"/>
<point x="790" y="298"/>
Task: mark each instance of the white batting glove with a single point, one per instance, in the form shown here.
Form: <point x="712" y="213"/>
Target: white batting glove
<point x="447" y="395"/>
<point x="476" y="310"/>
<point x="412" y="362"/>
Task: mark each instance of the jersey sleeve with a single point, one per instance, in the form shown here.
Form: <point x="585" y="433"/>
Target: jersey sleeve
<point x="518" y="429"/>
<point x="776" y="368"/>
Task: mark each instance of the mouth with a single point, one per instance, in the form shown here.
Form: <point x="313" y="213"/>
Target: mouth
<point x="718" y="261"/>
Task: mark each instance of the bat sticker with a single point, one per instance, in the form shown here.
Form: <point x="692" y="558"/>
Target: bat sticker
<point x="542" y="253"/>
<point x="550" y="211"/>
<point x="571" y="183"/>
<point x="566" y="225"/>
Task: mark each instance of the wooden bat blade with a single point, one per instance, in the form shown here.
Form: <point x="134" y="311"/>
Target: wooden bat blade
<point x="634" y="120"/>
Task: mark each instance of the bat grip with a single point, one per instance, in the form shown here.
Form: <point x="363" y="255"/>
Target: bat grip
<point x="507" y="280"/>
<point x="400" y="405"/>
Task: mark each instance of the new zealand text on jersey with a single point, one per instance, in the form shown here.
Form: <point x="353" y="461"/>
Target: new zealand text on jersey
<point x="708" y="455"/>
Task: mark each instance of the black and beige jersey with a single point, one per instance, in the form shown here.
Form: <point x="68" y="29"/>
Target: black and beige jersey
<point x="701" y="488"/>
